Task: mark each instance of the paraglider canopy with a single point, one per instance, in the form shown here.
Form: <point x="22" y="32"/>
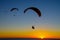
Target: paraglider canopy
<point x="14" y="9"/>
<point x="35" y="9"/>
<point x="33" y="27"/>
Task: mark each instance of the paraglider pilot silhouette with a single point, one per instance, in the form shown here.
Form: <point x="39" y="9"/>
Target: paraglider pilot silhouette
<point x="34" y="9"/>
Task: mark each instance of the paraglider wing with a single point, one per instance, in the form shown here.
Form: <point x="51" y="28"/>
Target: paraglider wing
<point x="35" y="9"/>
<point x="14" y="9"/>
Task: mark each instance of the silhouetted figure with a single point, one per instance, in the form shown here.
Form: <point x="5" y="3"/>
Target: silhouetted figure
<point x="33" y="27"/>
<point x="13" y="15"/>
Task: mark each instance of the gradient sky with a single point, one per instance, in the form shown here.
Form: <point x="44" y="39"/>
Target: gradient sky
<point x="48" y="25"/>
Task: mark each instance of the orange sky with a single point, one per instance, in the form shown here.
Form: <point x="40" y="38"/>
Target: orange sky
<point x="30" y="34"/>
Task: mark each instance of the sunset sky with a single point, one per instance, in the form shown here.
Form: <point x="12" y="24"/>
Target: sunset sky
<point x="20" y="26"/>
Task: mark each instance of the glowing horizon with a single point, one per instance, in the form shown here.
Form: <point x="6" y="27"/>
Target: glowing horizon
<point x="30" y="34"/>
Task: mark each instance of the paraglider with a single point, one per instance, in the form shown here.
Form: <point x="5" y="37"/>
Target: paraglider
<point x="14" y="10"/>
<point x="35" y="9"/>
<point x="33" y="27"/>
